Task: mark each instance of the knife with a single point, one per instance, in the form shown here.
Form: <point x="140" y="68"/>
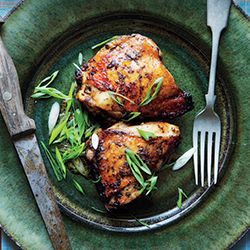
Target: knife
<point x="21" y="129"/>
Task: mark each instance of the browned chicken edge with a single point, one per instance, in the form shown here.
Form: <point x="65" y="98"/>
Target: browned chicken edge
<point x="118" y="187"/>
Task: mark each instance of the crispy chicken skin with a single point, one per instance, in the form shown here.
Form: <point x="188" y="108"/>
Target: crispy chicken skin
<point x="129" y="65"/>
<point x="118" y="186"/>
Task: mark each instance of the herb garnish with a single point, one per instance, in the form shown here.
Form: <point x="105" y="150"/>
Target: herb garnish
<point x="180" y="197"/>
<point x="146" y="135"/>
<point x="97" y="180"/>
<point x="67" y="138"/>
<point x="56" y="169"/>
<point x="73" y="124"/>
<point x="78" y="67"/>
<point x="80" y="59"/>
<point x="91" y="130"/>
<point x="136" y="164"/>
<point x="73" y="152"/>
<point x="49" y="79"/>
<point x="166" y="166"/>
<point x="78" y="186"/>
<point x="149" y="96"/>
<point x="181" y="161"/>
<point x="116" y="97"/>
<point x="58" y="128"/>
<point x="135" y="159"/>
<point x="104" y="42"/>
<point x="80" y="121"/>
<point x="98" y="210"/>
<point x="142" y="222"/>
<point x="43" y="91"/>
<point x="78" y="166"/>
<point x="53" y="116"/>
<point x="60" y="162"/>
<point x="151" y="184"/>
<point x="94" y="140"/>
<point x="131" y="116"/>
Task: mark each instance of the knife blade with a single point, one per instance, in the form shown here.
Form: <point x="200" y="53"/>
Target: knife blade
<point x="21" y="129"/>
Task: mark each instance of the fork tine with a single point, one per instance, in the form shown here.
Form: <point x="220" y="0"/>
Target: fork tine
<point x="209" y="157"/>
<point x="195" y="145"/>
<point x="202" y="153"/>
<point x="216" y="156"/>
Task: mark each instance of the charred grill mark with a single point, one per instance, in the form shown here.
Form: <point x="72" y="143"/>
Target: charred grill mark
<point x="107" y="46"/>
<point x="112" y="64"/>
<point x="123" y="173"/>
<point x="133" y="55"/>
<point x="149" y="76"/>
<point x="121" y="77"/>
<point x="78" y="77"/>
<point x="119" y="144"/>
<point x="85" y="66"/>
<point x="110" y="47"/>
<point x="159" y="53"/>
<point x="115" y="185"/>
<point x="161" y="128"/>
<point x="189" y="100"/>
<point x="130" y="70"/>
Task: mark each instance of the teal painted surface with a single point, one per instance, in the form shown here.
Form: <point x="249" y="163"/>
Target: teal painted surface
<point x="88" y="242"/>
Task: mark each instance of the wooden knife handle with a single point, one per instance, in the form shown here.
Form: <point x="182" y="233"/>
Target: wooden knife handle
<point x="11" y="103"/>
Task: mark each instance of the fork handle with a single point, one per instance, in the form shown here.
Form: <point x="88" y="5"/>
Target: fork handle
<point x="210" y="96"/>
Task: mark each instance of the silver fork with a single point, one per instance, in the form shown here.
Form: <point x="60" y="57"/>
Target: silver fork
<point x="207" y="125"/>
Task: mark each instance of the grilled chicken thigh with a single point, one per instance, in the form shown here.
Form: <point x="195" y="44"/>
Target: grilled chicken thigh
<point x="118" y="185"/>
<point x="129" y="66"/>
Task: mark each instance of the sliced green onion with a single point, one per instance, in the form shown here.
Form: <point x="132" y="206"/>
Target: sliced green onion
<point x="53" y="163"/>
<point x="80" y="58"/>
<point x="98" y="210"/>
<point x="149" y="96"/>
<point x="97" y="180"/>
<point x="136" y="159"/>
<point x="73" y="152"/>
<point x="90" y="131"/>
<point x="146" y="135"/>
<point x="48" y="92"/>
<point x="142" y="222"/>
<point x="104" y="42"/>
<point x="183" y="160"/>
<point x="50" y="79"/>
<point x="94" y="140"/>
<point x="180" y="197"/>
<point x="166" y="166"/>
<point x="78" y="186"/>
<point x="77" y="66"/>
<point x="53" y="116"/>
<point x="57" y="130"/>
<point x="60" y="162"/>
<point x="151" y="183"/>
<point x="118" y="100"/>
<point x="131" y="116"/>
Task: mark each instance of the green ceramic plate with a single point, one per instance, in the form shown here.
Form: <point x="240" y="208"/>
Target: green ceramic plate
<point x="48" y="35"/>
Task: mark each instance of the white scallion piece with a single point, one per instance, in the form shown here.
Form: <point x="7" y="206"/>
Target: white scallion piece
<point x="182" y="161"/>
<point x="95" y="141"/>
<point x="80" y="58"/>
<point x="53" y="116"/>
